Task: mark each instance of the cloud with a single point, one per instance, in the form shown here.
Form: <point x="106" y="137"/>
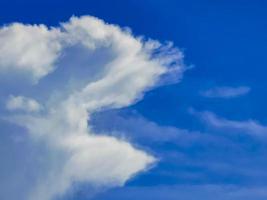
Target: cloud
<point x="79" y="68"/>
<point x="28" y="49"/>
<point x="23" y="103"/>
<point x="226" y="92"/>
<point x="180" y="149"/>
<point x="136" y="128"/>
<point x="195" y="156"/>
<point x="251" y="127"/>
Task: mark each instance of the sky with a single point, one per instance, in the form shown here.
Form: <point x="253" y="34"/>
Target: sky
<point x="133" y="99"/>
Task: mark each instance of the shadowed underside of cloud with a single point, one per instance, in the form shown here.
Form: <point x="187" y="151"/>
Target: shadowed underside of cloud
<point x="76" y="69"/>
<point x="225" y="92"/>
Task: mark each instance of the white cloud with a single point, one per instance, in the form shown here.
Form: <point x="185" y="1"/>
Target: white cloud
<point x="23" y="103"/>
<point x="250" y="126"/>
<point x="226" y="92"/>
<point x="28" y="49"/>
<point x="121" y="68"/>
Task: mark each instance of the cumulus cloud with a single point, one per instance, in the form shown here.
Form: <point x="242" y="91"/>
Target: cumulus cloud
<point x="226" y="92"/>
<point x="23" y="103"/>
<point x="28" y="49"/>
<point x="81" y="67"/>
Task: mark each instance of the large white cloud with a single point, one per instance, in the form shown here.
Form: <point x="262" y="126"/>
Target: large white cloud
<point x="100" y="66"/>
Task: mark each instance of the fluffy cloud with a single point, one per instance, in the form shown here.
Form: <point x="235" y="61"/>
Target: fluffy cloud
<point x="23" y="103"/>
<point x="28" y="49"/>
<point x="226" y="92"/>
<point x="96" y="66"/>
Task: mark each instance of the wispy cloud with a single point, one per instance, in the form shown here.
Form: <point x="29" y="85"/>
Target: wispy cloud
<point x="194" y="156"/>
<point x="249" y="126"/>
<point x="226" y="92"/>
<point x="141" y="130"/>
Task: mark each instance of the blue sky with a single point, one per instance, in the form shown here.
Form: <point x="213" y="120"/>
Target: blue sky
<point x="205" y="125"/>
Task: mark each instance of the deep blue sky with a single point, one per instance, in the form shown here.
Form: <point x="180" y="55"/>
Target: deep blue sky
<point x="226" y="43"/>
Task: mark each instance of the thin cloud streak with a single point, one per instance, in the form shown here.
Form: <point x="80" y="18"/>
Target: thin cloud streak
<point x="226" y="92"/>
<point x="250" y="126"/>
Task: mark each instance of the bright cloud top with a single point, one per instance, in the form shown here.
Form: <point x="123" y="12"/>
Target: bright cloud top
<point x="79" y="68"/>
<point x="29" y="49"/>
